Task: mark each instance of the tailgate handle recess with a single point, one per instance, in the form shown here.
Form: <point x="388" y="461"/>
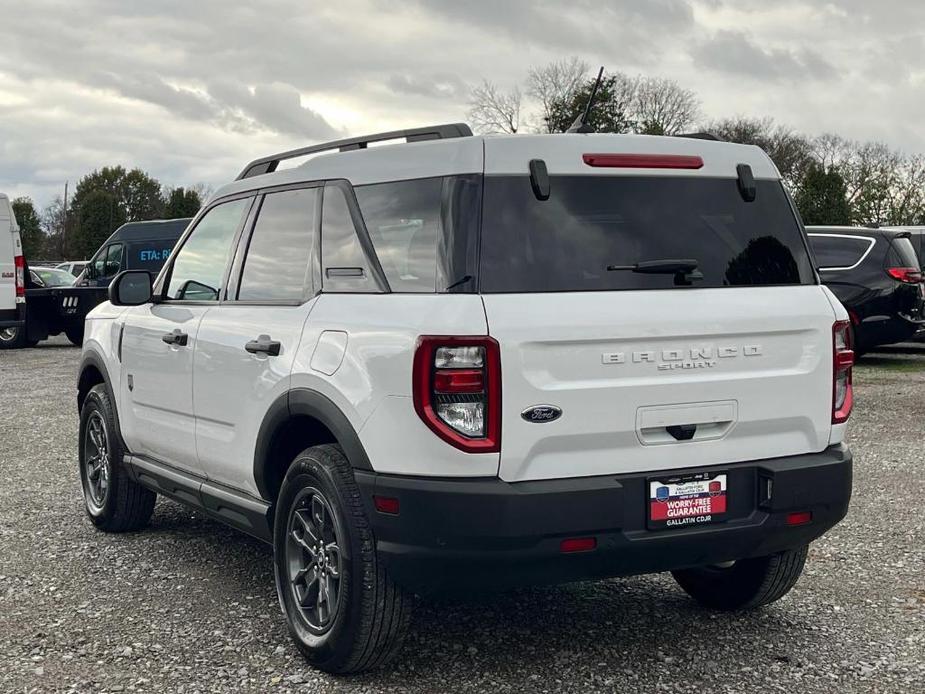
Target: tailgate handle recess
<point x="682" y="432"/>
<point x="704" y="421"/>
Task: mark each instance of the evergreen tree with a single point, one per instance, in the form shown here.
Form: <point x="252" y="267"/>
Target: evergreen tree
<point x="823" y="198"/>
<point x="30" y="227"/>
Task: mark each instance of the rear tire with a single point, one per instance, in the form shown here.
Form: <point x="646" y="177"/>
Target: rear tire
<point x="747" y="584"/>
<point x="75" y="335"/>
<point x="344" y="612"/>
<point x="114" y="502"/>
<point x="14" y="338"/>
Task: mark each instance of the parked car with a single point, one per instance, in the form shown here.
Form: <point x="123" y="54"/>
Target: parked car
<point x="51" y="277"/>
<point x="12" y="279"/>
<point x="133" y="246"/>
<point x="481" y="362"/>
<point x="876" y="275"/>
<point x="74" y="267"/>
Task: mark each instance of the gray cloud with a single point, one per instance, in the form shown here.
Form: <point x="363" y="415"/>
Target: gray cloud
<point x="734" y="52"/>
<point x="437" y="86"/>
<point x="191" y="91"/>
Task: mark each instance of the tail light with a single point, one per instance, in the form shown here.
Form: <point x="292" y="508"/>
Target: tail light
<point x="909" y="275"/>
<point x="20" y="264"/>
<point x="643" y="161"/>
<point x="457" y="390"/>
<point x="843" y="360"/>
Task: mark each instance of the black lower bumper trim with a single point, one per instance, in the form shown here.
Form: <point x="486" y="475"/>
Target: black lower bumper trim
<point x="451" y="532"/>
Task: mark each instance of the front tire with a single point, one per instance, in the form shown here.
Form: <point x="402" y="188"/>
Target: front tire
<point x="747" y="584"/>
<point x="344" y="612"/>
<point x="113" y="501"/>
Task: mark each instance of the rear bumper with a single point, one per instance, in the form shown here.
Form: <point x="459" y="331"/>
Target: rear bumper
<point x="486" y="532"/>
<point x="885" y="330"/>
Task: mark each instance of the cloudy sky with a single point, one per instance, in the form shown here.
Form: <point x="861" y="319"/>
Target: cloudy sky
<point x="190" y="90"/>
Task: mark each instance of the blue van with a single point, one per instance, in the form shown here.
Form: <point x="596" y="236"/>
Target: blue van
<point x="133" y="246"/>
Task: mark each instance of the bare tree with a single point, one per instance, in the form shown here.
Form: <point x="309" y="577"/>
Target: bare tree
<point x="555" y="84"/>
<point x="790" y="151"/>
<point x="203" y="190"/>
<point x="662" y="107"/>
<point x="493" y="110"/>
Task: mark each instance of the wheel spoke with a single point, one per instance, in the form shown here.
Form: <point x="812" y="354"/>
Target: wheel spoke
<point x="318" y="513"/>
<point x="309" y="533"/>
<point x="302" y="542"/>
<point x="330" y="593"/>
<point x="322" y="602"/>
<point x="306" y="599"/>
<point x="303" y="572"/>
<point x="333" y="552"/>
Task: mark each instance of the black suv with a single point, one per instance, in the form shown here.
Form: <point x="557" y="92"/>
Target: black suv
<point x="875" y="273"/>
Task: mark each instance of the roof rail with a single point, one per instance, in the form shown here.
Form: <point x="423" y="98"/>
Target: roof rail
<point x="432" y="132"/>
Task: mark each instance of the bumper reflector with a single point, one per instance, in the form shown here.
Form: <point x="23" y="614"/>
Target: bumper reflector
<point x="577" y="544"/>
<point x="799" y="518"/>
<point x="386" y="504"/>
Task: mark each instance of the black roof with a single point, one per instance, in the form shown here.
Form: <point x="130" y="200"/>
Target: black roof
<point x="156" y="229"/>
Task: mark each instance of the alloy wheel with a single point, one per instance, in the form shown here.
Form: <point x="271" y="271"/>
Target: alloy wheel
<point x="313" y="560"/>
<point x="97" y="462"/>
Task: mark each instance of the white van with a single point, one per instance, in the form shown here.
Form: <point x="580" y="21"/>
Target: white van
<point x="12" y="279"/>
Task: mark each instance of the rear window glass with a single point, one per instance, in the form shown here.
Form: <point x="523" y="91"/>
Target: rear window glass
<point x="902" y="254"/>
<point x="592" y="223"/>
<point x="838" y="251"/>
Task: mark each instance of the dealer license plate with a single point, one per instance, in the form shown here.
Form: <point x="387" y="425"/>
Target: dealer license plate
<point x="678" y="501"/>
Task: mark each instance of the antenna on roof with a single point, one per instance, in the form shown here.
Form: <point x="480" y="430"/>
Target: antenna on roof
<point x="581" y="123"/>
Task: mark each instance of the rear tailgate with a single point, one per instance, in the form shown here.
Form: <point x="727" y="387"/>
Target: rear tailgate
<point x="673" y="316"/>
<point x="751" y="368"/>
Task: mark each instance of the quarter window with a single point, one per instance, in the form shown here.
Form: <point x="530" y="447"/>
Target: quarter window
<point x="342" y="258"/>
<point x="278" y="263"/>
<point x="404" y="223"/>
<point x="834" y="252"/>
<point x="200" y="264"/>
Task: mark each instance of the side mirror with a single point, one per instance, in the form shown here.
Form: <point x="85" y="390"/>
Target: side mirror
<point x="131" y="288"/>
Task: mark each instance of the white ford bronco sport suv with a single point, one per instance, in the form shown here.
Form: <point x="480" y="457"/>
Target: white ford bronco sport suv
<point x="481" y="361"/>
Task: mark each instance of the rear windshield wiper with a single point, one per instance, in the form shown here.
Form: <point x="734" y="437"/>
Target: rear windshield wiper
<point x="684" y="269"/>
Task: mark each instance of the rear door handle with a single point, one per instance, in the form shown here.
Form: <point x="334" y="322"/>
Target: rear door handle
<point x="263" y="345"/>
<point x="177" y="337"/>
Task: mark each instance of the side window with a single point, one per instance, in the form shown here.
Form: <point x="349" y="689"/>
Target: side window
<point x="404" y="223"/>
<point x="838" y="251"/>
<point x="113" y="260"/>
<point x="278" y="262"/>
<point x="200" y="264"/>
<point x="97" y="266"/>
<point x="343" y="263"/>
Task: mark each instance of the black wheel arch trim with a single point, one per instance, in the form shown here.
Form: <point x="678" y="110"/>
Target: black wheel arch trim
<point x="310" y="403"/>
<point x="91" y="358"/>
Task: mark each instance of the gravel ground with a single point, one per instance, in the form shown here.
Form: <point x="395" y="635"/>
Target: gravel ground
<point x="189" y="606"/>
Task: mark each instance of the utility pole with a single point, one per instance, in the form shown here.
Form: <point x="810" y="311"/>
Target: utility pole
<point x="64" y="230"/>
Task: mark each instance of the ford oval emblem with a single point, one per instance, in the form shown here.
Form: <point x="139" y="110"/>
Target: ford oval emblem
<point x="539" y="414"/>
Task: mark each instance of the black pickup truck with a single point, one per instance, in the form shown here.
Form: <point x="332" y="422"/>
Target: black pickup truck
<point x="56" y="310"/>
